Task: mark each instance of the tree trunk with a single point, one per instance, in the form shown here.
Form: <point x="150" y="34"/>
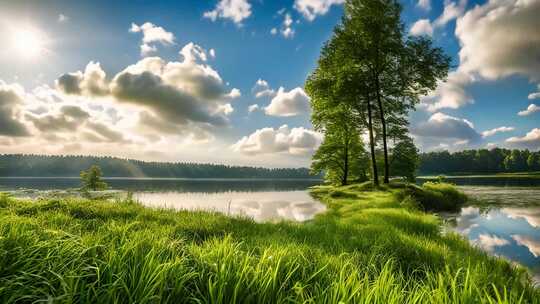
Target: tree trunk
<point x="383" y="122"/>
<point x="372" y="146"/>
<point x="346" y="164"/>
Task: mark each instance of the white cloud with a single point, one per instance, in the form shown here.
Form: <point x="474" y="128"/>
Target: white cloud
<point x="273" y="31"/>
<point x="152" y="34"/>
<point x="422" y="27"/>
<point x="310" y="9"/>
<point x="253" y="108"/>
<point x="441" y="126"/>
<point x="532" y="108"/>
<point x="91" y="82"/>
<point x="187" y="94"/>
<point x="235" y="10"/>
<point x="62" y="18"/>
<point x="296" y="141"/>
<point x="294" y="102"/>
<point x="534" y="95"/>
<point x="424" y="4"/>
<point x="147" y="49"/>
<point x="11" y="99"/>
<point x="500" y="38"/>
<point x="450" y="93"/>
<point x="287" y="31"/>
<point x="452" y="10"/>
<point x="532" y="244"/>
<point x="530" y="140"/>
<point x="489" y="242"/>
<point x="262" y="89"/>
<point x="497" y="130"/>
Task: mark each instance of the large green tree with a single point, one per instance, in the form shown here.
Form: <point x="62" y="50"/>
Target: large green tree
<point x="391" y="70"/>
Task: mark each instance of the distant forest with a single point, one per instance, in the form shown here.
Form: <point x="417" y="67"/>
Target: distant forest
<point x="479" y="161"/>
<point x="19" y="165"/>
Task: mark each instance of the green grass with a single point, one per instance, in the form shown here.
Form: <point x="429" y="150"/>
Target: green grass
<point x="371" y="246"/>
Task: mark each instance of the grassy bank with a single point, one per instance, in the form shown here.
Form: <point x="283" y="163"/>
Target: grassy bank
<point x="371" y="246"/>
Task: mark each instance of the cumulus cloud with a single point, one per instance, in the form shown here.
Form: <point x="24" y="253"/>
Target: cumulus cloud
<point x="292" y="103"/>
<point x="500" y="38"/>
<point x="497" y="130"/>
<point x="235" y="10"/>
<point x="152" y="34"/>
<point x="262" y="89"/>
<point x="295" y="141"/>
<point x="452" y="10"/>
<point x="187" y="93"/>
<point x="450" y="93"/>
<point x="532" y="108"/>
<point x="11" y="98"/>
<point x="422" y="27"/>
<point x="424" y="4"/>
<point x="442" y="126"/>
<point x="310" y="9"/>
<point x="530" y="140"/>
<point x="91" y="82"/>
<point x="66" y="119"/>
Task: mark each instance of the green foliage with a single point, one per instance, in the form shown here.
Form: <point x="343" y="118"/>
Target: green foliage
<point x="342" y="157"/>
<point x="92" y="179"/>
<point x="366" y="248"/>
<point x="70" y="165"/>
<point x="370" y="66"/>
<point x="405" y="160"/>
<point x="479" y="161"/>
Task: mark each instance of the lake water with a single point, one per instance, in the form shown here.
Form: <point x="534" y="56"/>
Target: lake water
<point x="260" y="199"/>
<point x="503" y="218"/>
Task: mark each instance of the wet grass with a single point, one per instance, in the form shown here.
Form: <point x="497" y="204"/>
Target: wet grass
<point x="371" y="246"/>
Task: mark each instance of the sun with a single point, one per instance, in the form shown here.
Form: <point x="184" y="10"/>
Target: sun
<point x="29" y="43"/>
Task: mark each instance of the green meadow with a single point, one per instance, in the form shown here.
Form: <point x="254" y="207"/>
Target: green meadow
<point x="370" y="246"/>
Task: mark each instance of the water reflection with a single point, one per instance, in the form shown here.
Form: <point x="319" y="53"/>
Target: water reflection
<point x="261" y="206"/>
<point x="513" y="233"/>
<point x="164" y="184"/>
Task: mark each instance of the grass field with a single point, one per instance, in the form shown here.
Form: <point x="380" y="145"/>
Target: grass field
<point x="371" y="246"/>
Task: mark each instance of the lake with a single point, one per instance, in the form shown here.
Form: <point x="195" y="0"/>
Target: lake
<point x="503" y="218"/>
<point x="260" y="199"/>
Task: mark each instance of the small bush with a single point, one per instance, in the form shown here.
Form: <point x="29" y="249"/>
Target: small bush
<point x="433" y="196"/>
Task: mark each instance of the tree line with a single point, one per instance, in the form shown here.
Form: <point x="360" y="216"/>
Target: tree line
<point x="369" y="75"/>
<point x="479" y="161"/>
<point x="18" y="165"/>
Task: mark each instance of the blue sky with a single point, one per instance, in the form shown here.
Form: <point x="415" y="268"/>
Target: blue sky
<point x="56" y="99"/>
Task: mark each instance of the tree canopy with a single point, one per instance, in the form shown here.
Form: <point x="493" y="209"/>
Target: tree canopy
<point x="370" y="65"/>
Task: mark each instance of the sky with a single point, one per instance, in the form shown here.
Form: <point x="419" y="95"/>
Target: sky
<point x="221" y="81"/>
